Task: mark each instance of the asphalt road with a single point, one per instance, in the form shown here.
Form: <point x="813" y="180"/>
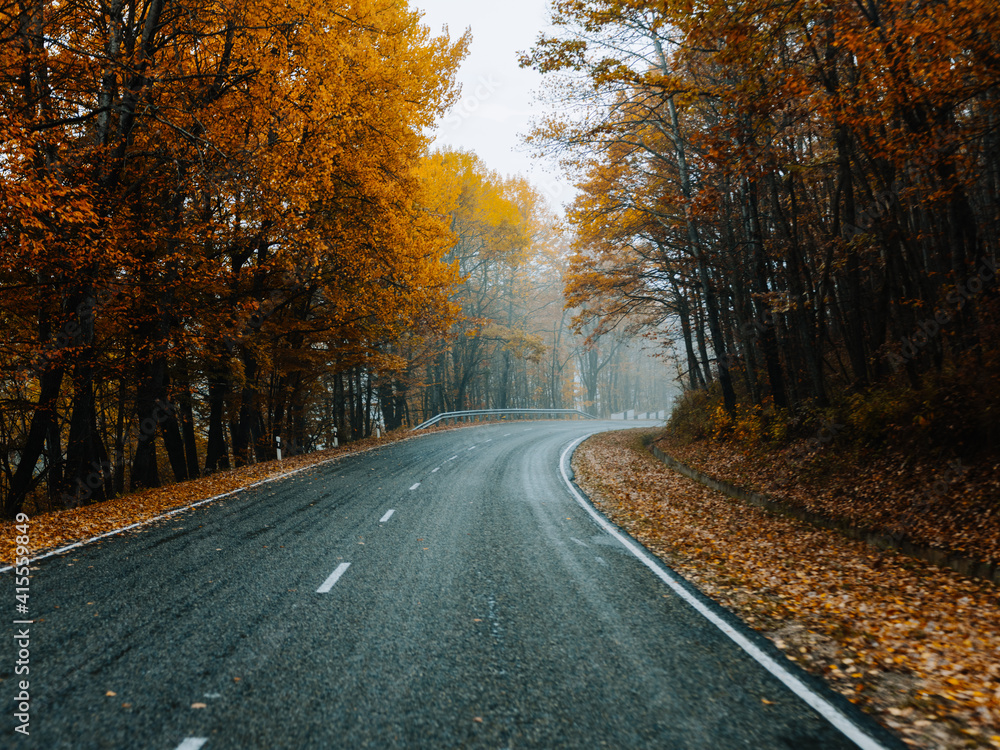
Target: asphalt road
<point x="487" y="610"/>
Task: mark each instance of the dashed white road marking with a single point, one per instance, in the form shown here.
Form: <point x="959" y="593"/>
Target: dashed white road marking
<point x="435" y="469"/>
<point x="811" y="698"/>
<point x="578" y="541"/>
<point x="181" y="509"/>
<point x="488" y="440"/>
<point x="505" y="434"/>
<point x="387" y="516"/>
<point x="453" y="458"/>
<point x="601" y="560"/>
<point x="415" y="486"/>
<point x="192" y="743"/>
<point x="471" y="448"/>
<point x="334" y="577"/>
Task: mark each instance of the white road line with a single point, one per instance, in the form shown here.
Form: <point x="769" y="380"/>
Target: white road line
<point x="453" y="458"/>
<point x="815" y="701"/>
<point x="435" y="469"/>
<point x="582" y="544"/>
<point x="471" y="448"/>
<point x="488" y="440"/>
<point x="334" y="576"/>
<point x="192" y="743"/>
<point x="505" y="434"/>
<point x="601" y="560"/>
<point x="415" y="486"/>
<point x="387" y="516"/>
<point x="183" y="508"/>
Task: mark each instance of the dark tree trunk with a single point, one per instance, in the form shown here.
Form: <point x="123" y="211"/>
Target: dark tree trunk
<point x="145" y="472"/>
<point x="88" y="471"/>
<point x="769" y="341"/>
<point x="186" y="416"/>
<point x="245" y="429"/>
<point x="217" y="452"/>
<point x="41" y="420"/>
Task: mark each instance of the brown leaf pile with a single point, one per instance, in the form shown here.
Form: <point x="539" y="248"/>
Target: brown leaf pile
<point x="912" y="644"/>
<point x="939" y="503"/>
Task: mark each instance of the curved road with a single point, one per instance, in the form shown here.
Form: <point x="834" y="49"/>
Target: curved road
<point x="443" y="592"/>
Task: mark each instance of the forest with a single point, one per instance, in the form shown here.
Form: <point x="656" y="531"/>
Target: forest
<point x="223" y="230"/>
<point x="805" y="194"/>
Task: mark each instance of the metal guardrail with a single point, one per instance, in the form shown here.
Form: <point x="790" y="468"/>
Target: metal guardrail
<point x="467" y="416"/>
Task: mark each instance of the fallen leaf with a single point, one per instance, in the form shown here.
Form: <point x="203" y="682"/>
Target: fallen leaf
<point x="916" y="632"/>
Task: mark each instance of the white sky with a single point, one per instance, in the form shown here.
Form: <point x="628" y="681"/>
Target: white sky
<point x="497" y="102"/>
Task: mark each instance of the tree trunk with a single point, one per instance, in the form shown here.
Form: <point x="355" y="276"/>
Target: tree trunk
<point x="41" y="419"/>
<point x="217" y="452"/>
<point x="88" y="471"/>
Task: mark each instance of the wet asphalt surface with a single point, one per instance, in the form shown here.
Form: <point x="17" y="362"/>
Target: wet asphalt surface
<point x="488" y="610"/>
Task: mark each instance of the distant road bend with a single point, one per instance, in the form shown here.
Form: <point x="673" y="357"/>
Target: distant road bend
<point x="449" y="591"/>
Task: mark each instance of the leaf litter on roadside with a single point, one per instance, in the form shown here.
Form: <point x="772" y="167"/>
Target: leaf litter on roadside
<point x="914" y="645"/>
<point x="54" y="529"/>
<point x="58" y="528"/>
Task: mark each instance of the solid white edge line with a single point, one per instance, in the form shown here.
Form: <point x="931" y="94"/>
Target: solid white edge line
<point x="160" y="517"/>
<point x="333" y="578"/>
<point x="192" y="743"/>
<point x="815" y="701"/>
<point x="415" y="486"/>
<point x="387" y="516"/>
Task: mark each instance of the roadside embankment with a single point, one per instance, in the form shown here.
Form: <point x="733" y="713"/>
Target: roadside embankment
<point x="911" y="643"/>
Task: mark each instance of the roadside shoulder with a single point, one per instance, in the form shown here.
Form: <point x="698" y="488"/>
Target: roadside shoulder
<point x="911" y="644"/>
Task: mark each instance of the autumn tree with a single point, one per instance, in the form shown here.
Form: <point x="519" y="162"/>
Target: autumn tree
<point x="498" y="227"/>
<point x="205" y="206"/>
<point x="809" y="189"/>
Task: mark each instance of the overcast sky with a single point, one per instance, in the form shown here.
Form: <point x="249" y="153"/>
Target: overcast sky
<point x="497" y="96"/>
